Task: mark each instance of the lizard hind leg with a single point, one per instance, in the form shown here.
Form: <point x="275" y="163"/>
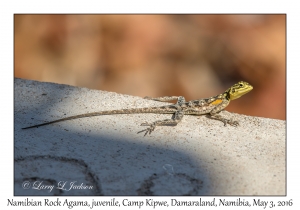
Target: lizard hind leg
<point x="176" y="118"/>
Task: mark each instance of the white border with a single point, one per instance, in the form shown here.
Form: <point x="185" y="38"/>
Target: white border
<point x="8" y="8"/>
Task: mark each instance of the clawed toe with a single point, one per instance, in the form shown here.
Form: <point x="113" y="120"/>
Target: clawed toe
<point x="145" y="124"/>
<point x="233" y="123"/>
<point x="148" y="130"/>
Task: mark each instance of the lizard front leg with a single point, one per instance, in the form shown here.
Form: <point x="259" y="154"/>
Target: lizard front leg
<point x="176" y="118"/>
<point x="224" y="120"/>
<point x="180" y="99"/>
<point x="214" y="113"/>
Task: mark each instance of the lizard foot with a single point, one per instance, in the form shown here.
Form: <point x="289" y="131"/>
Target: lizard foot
<point x="148" y="130"/>
<point x="230" y="122"/>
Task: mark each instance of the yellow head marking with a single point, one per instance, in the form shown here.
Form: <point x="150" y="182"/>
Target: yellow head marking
<point x="218" y="101"/>
<point x="239" y="89"/>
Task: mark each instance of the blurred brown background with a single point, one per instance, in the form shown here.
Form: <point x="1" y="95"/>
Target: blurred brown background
<point x="195" y="56"/>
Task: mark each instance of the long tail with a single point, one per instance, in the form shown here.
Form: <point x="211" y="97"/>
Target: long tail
<point x="110" y="112"/>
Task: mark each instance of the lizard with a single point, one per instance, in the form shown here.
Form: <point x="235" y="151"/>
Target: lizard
<point x="211" y="106"/>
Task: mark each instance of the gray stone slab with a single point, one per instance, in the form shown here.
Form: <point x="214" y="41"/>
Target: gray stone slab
<point x="104" y="155"/>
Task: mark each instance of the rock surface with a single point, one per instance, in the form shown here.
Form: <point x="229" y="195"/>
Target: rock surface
<point x="104" y="155"/>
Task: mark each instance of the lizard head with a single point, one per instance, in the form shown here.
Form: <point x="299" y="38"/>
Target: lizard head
<point x="238" y="89"/>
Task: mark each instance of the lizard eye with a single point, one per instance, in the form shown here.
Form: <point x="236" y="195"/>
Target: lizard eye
<point x="241" y="84"/>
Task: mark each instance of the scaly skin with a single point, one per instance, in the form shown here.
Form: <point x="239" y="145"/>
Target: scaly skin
<point x="211" y="106"/>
